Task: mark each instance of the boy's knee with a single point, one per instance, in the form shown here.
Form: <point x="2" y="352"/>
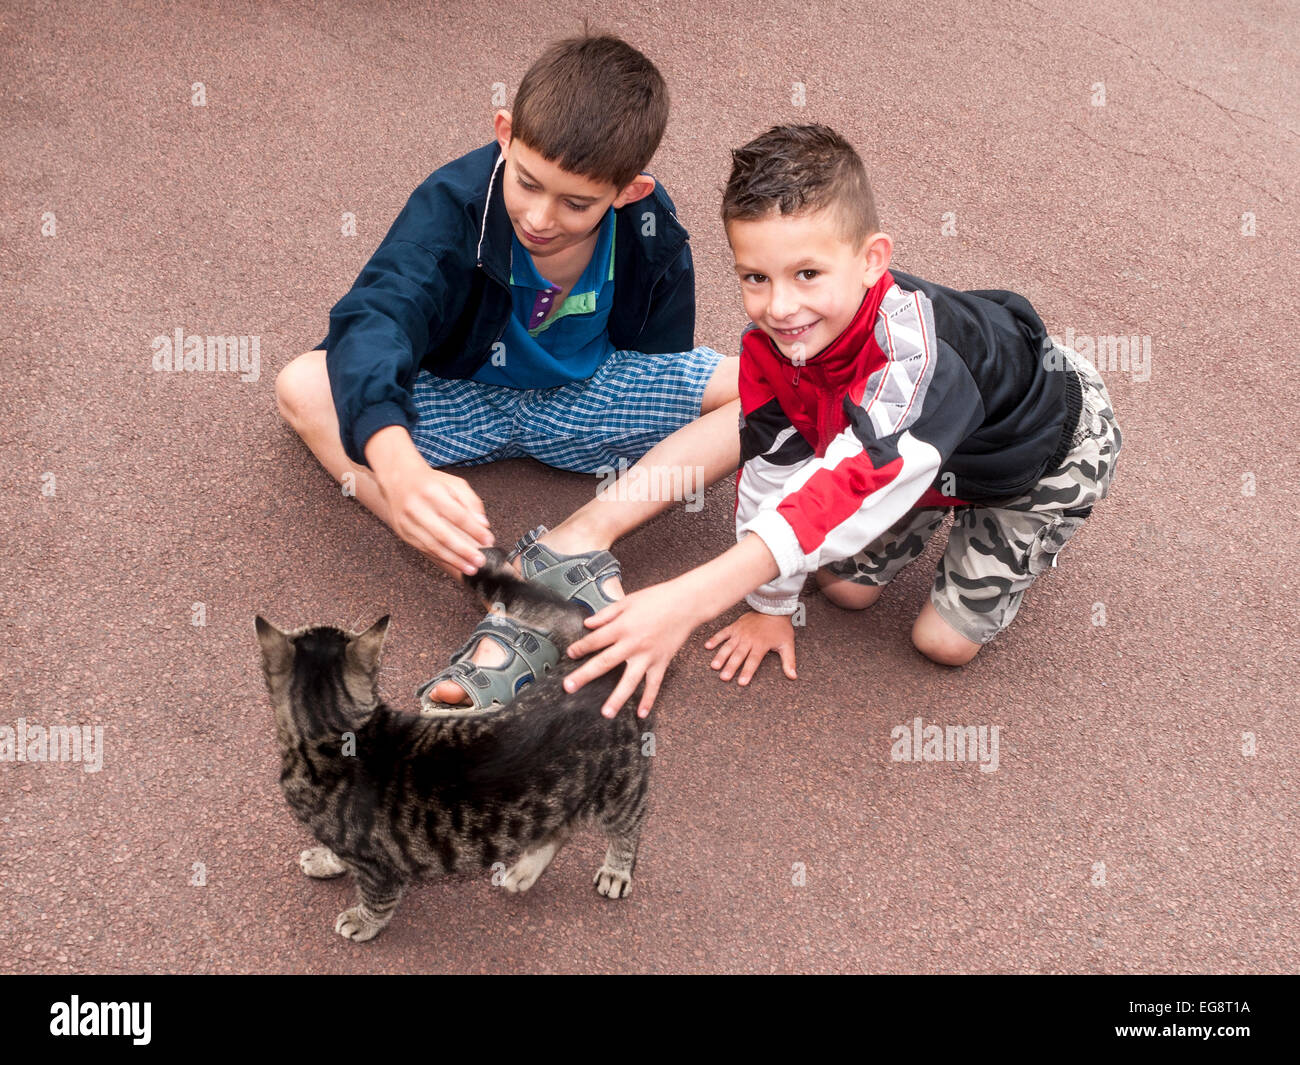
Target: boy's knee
<point x="723" y="386"/>
<point x="298" y="387"/>
<point x="939" y="641"/>
<point x="846" y="594"/>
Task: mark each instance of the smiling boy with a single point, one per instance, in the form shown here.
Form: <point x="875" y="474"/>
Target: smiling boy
<point x="872" y="403"/>
<point x="534" y="297"/>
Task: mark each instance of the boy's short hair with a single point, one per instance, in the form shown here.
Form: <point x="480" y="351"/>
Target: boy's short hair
<point x="795" y="169"/>
<point x="594" y="106"/>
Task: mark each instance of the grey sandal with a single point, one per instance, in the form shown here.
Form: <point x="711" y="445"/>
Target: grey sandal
<point x="579" y="578"/>
<point x="530" y="655"/>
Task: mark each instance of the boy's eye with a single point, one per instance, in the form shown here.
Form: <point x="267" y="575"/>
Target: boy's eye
<point x="756" y="279"/>
<point x="567" y="203"/>
<point x="811" y="274"/>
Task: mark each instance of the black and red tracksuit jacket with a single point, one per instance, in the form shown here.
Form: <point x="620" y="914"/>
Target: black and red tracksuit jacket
<point x="930" y="397"/>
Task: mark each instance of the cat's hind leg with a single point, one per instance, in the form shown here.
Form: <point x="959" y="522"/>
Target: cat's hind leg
<point x="321" y="863"/>
<point x="533" y="862"/>
<point x="369" y="917"/>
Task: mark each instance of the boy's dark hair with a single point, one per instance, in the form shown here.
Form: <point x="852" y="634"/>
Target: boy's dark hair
<point x="594" y="106"/>
<point x="794" y="169"/>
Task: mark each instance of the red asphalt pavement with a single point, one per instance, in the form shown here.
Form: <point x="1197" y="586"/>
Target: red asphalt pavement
<point x="1125" y="830"/>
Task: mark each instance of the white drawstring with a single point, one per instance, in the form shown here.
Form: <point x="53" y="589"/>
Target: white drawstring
<point x="478" y="254"/>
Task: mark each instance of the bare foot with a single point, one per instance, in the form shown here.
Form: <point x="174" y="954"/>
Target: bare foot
<point x="490" y="653"/>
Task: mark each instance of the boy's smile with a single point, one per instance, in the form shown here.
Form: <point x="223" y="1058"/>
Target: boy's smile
<point x="801" y="282"/>
<point x="552" y="209"/>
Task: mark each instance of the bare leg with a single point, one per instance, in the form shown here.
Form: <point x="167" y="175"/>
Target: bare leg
<point x="939" y="641"/>
<point x="302" y="391"/>
<point x="693" y="458"/>
<point x="703" y="451"/>
<point x="847" y="594"/>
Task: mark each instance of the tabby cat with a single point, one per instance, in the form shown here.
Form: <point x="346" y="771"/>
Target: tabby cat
<point x="394" y="796"/>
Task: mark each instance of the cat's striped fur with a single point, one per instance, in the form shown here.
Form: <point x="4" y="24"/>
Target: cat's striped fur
<point x="454" y="791"/>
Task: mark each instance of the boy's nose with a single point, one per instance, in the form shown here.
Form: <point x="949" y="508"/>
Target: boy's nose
<point x="782" y="304"/>
<point x="538" y="222"/>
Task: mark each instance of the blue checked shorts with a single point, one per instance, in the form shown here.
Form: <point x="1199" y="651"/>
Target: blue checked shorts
<point x="621" y="411"/>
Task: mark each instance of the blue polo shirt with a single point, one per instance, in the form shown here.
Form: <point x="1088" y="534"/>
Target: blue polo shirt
<point x="541" y="353"/>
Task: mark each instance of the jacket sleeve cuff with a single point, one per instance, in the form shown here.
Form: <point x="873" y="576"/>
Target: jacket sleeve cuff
<point x="767" y="605"/>
<point x="369" y="422"/>
<point x="779" y="538"/>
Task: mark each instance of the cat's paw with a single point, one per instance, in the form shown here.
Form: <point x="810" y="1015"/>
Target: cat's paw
<point x="524" y="873"/>
<point x="613" y="883"/>
<point x="321" y="863"/>
<point x="532" y="863"/>
<point x="358" y="924"/>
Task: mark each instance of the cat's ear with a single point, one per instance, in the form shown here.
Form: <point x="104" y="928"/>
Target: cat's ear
<point x="364" y="648"/>
<point x="277" y="648"/>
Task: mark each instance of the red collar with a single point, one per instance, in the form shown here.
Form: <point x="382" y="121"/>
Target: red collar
<point x="838" y="363"/>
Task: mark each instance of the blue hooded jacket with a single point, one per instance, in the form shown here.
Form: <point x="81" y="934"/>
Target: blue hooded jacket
<point x="436" y="294"/>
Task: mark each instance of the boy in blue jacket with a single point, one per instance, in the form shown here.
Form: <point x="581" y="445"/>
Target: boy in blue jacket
<point x="534" y="297"/>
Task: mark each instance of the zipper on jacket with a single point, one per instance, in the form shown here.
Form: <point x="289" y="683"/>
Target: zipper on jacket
<point x="825" y="411"/>
<point x="504" y="326"/>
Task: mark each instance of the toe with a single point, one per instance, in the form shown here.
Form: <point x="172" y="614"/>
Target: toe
<point x="449" y="692"/>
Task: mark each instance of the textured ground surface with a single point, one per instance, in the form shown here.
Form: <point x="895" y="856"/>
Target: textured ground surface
<point x="131" y="495"/>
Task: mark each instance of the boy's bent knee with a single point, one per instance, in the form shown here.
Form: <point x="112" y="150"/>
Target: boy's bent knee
<point x="939" y="641"/>
<point x="723" y="386"/>
<point x="298" y="387"/>
<point x="847" y="594"/>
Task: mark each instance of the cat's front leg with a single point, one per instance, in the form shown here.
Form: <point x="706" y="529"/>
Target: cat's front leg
<point x="321" y="863"/>
<point x="369" y="917"/>
<point x="360" y="923"/>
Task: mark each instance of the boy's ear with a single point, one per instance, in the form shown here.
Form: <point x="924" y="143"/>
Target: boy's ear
<point x="878" y="250"/>
<point x="637" y="189"/>
<point x="501" y="125"/>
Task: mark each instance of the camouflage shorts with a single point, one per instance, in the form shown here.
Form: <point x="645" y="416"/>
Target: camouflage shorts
<point x="995" y="552"/>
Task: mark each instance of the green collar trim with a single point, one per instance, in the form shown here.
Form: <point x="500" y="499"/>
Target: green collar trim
<point x="577" y="302"/>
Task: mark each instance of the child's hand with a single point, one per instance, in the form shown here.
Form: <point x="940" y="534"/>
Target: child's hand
<point x="435" y="512"/>
<point x="439" y="514"/>
<point x="748" y="640"/>
<point x="645" y="630"/>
